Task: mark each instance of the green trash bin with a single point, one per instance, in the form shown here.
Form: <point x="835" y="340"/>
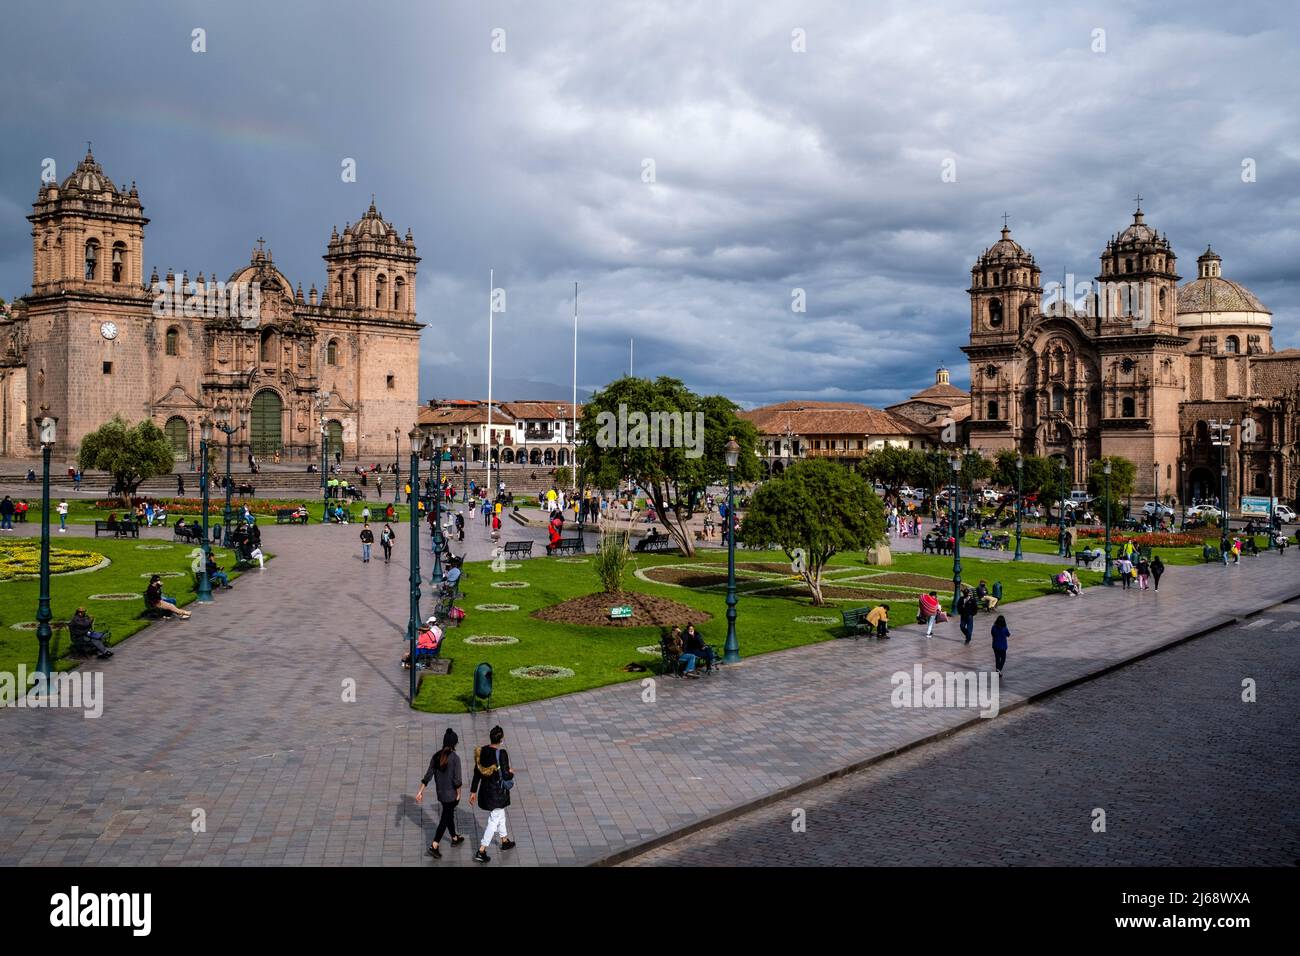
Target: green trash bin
<point x="997" y="590"/>
<point x="482" y="685"/>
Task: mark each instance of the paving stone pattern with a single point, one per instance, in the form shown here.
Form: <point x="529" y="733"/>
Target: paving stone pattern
<point x="240" y="713"/>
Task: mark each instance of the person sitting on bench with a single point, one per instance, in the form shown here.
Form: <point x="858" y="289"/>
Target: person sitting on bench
<point x="986" y="539"/>
<point x="81" y="629"/>
<point x="215" y="574"/>
<point x="693" y="643"/>
<point x="879" y="619"/>
<point x="451" y="577"/>
<point x="983" y="597"/>
<point x="155" y="600"/>
<point x="300" y="514"/>
<point x="427" y="641"/>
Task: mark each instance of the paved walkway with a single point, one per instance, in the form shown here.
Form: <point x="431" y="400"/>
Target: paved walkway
<point x="1187" y="773"/>
<point x="240" y="713"/>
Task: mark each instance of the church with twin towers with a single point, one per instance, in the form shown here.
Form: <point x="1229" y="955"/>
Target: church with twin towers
<point x="1140" y="367"/>
<point x="97" y="336"/>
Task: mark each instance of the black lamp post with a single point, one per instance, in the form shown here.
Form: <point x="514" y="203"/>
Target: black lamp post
<point x="956" y="533"/>
<point x="47" y="428"/>
<point x="1106" y="578"/>
<point x="413" y="625"/>
<point x="397" y="482"/>
<point x="1182" y="474"/>
<point x="226" y="424"/>
<point x="1223" y="499"/>
<point x="1270" y="501"/>
<point x="1060" y="544"/>
<point x="205" y="436"/>
<point x="322" y="400"/>
<point x="731" y="652"/>
<point x="1020" y="504"/>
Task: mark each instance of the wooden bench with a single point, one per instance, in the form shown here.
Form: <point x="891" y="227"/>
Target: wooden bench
<point x="122" y="529"/>
<point x="855" y="620"/>
<point x="519" y="549"/>
<point x="570" y="546"/>
<point x="289" y="516"/>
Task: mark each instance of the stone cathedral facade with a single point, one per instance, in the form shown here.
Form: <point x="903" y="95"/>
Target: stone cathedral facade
<point x="1137" y="365"/>
<point x="96" y="336"/>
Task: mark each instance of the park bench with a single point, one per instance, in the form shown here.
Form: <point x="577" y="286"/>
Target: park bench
<point x="347" y="514"/>
<point x="289" y="516"/>
<point x="570" y="546"/>
<point x="187" y="532"/>
<point x="855" y="620"/>
<point x="1087" y="556"/>
<point x="246" y="489"/>
<point x="122" y="529"/>
<point x="519" y="549"/>
<point x="658" y="544"/>
<point x="83" y="648"/>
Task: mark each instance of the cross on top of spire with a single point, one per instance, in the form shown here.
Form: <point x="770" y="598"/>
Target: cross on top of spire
<point x="1138" y="200"/>
<point x="1004" y="220"/>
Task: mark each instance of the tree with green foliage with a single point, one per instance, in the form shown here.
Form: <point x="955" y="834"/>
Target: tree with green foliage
<point x="892" y="468"/>
<point x="812" y="512"/>
<point x="1123" y="475"/>
<point x="648" y="433"/>
<point x="563" y="477"/>
<point x="130" y="453"/>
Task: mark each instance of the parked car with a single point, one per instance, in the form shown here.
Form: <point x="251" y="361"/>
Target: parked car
<point x="1285" y="513"/>
<point x="1152" y="508"/>
<point x="991" y="495"/>
<point x="1204" y="511"/>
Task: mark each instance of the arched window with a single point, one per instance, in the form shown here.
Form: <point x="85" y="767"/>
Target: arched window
<point x="548" y="457"/>
<point x="995" y="312"/>
<point x="507" y="456"/>
<point x="1128" y="409"/>
<point x="1058" y="398"/>
<point x="381" y="287"/>
<point x="356" y="289"/>
<point x="267" y="352"/>
<point x="119" y="261"/>
<point x="1163" y="312"/>
<point x="993" y="411"/>
<point x="92" y="259"/>
<point x="332" y="352"/>
<point x="1232" y="345"/>
<point x="399" y="286"/>
<point x="173" y="341"/>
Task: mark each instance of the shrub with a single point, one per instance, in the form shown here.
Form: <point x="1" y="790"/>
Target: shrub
<point x="611" y="561"/>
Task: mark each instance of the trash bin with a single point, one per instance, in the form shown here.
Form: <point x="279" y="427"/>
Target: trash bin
<point x="997" y="590"/>
<point x="482" y="684"/>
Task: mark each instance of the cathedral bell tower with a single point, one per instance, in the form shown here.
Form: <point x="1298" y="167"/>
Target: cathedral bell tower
<point x="1005" y="292"/>
<point x="371" y="268"/>
<point x="1138" y="282"/>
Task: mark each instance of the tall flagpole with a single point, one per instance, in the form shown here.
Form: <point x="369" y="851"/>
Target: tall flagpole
<point x="630" y="343"/>
<point x="487" y="435"/>
<point x="573" y="435"/>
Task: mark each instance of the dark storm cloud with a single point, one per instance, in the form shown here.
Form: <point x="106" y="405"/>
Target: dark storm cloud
<point x="774" y="170"/>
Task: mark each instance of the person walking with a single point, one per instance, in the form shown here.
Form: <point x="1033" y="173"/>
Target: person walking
<point x="1125" y="568"/>
<point x="1000" y="634"/>
<point x="929" y="611"/>
<point x="444" y="771"/>
<point x="967" y="606"/>
<point x="180" y="486"/>
<point x="460" y="526"/>
<point x="7" y="514"/>
<point x="1157" y="569"/>
<point x="1144" y="572"/>
<point x="63" y="516"/>
<point x="487" y="513"/>
<point x="367" y="539"/>
<point x="492" y="782"/>
<point x="386" y="542"/>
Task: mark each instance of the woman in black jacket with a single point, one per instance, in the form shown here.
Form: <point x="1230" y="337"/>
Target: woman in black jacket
<point x="444" y="771"/>
<point x="491" y="784"/>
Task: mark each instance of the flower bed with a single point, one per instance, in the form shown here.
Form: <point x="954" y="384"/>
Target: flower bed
<point x="24" y="561"/>
<point x="189" y="506"/>
<point x="1156" y="539"/>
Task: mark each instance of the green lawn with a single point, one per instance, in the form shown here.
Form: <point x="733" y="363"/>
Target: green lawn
<point x="597" y="655"/>
<point x="128" y="573"/>
<point x="83" y="511"/>
<point x="1028" y="545"/>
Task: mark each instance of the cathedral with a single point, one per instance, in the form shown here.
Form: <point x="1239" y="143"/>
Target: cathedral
<point x="96" y="337"/>
<point x="1138" y="366"/>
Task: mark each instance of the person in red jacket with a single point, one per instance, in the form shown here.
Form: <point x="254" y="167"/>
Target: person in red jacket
<point x="929" y="611"/>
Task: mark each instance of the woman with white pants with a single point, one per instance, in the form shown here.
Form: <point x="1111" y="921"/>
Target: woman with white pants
<point x="491" y="784"/>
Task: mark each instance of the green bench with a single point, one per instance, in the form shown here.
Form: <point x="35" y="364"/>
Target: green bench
<point x="855" y="620"/>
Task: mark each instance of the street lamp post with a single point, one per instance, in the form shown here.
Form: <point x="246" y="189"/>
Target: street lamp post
<point x="205" y="436"/>
<point x="437" y="519"/>
<point x="1182" y="482"/>
<point x="226" y="423"/>
<point x="731" y="652"/>
<point x="1270" y="501"/>
<point x="1223" y="497"/>
<point x="956" y="533"/>
<point x="1060" y="544"/>
<point x="1020" y="473"/>
<point x="322" y="400"/>
<point x="1106" y="578"/>
<point x="417" y="440"/>
<point x="47" y="428"/>
<point x="397" y="481"/>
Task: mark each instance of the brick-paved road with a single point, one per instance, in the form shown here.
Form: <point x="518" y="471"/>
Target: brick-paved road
<point x="1187" y="773"/>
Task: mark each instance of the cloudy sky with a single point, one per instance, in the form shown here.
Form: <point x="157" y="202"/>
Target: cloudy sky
<point x="774" y="168"/>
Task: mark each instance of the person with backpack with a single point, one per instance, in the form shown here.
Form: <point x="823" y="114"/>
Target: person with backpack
<point x="386" y="542"/>
<point x="1157" y="569"/>
<point x="444" y="771"/>
<point x="367" y="539"/>
<point x="491" y="785"/>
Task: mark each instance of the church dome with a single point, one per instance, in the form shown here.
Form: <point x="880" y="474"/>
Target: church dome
<point x="1005" y="248"/>
<point x="88" y="177"/>
<point x="371" y="226"/>
<point x="1211" y="299"/>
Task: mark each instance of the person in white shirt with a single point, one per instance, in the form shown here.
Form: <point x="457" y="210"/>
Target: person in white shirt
<point x="63" y="516"/>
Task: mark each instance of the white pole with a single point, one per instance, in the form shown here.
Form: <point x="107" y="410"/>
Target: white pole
<point x="573" y="432"/>
<point x="630" y="343"/>
<point x="487" y="449"/>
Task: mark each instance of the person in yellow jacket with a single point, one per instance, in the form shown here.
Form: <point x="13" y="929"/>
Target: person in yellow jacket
<point x="879" y="619"/>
